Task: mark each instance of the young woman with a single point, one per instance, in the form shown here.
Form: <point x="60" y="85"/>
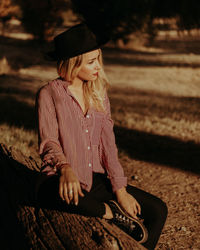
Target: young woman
<point x="81" y="172"/>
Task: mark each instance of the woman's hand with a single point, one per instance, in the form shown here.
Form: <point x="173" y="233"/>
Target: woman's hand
<point x="69" y="185"/>
<point x="128" y="202"/>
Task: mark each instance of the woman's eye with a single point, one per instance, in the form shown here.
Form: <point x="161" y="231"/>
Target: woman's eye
<point x="91" y="62"/>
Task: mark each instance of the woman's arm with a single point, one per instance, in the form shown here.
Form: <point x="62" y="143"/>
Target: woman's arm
<point x="109" y="151"/>
<point x="114" y="168"/>
<point x="50" y="149"/>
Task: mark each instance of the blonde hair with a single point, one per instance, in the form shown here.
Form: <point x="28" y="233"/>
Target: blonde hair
<point x="93" y="91"/>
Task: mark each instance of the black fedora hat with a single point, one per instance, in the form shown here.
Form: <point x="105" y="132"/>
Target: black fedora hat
<point x="75" y="41"/>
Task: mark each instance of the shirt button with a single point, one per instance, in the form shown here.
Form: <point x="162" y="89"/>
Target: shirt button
<point x="86" y="130"/>
<point x="88" y="147"/>
<point x="87" y="116"/>
<point x="90" y="165"/>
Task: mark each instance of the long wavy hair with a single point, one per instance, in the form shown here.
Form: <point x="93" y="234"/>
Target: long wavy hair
<point x="93" y="91"/>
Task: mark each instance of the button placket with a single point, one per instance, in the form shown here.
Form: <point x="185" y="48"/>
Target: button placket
<point x="88" y="141"/>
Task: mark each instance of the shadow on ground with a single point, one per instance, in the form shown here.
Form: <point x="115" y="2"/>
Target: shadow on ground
<point x="14" y="84"/>
<point x="159" y="149"/>
<point x="154" y="104"/>
<point x="179" y="45"/>
<point x="17" y="113"/>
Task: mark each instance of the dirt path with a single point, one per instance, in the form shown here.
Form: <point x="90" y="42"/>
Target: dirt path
<point x="155" y="104"/>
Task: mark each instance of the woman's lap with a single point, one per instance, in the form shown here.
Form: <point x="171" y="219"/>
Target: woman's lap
<point x="92" y="204"/>
<point x="153" y="209"/>
<point x="100" y="192"/>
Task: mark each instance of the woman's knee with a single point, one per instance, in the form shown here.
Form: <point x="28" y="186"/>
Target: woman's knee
<point x="150" y="203"/>
<point x="160" y="208"/>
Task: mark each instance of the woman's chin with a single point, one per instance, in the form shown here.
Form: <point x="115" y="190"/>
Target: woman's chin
<point x="95" y="77"/>
<point x="92" y="78"/>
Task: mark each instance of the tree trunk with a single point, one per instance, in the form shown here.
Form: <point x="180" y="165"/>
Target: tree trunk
<point x="26" y="226"/>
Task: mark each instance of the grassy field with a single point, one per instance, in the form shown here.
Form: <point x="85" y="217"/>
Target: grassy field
<point x="155" y="101"/>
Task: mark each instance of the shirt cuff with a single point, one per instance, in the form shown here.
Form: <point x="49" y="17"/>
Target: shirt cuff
<point x="118" y="182"/>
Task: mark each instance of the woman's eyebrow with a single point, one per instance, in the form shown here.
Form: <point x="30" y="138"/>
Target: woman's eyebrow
<point x="92" y="59"/>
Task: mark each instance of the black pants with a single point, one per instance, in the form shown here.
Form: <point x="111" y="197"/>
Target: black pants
<point x="153" y="209"/>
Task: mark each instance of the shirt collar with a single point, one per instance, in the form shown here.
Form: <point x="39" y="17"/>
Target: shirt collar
<point x="66" y="84"/>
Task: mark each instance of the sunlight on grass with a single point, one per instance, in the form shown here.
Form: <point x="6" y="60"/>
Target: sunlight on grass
<point x="20" y="138"/>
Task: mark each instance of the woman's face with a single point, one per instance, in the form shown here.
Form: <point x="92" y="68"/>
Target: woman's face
<point x="90" y="67"/>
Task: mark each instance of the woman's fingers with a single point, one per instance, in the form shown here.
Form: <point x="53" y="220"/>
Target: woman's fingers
<point x="134" y="212"/>
<point x="65" y="192"/>
<point x="131" y="210"/>
<point x="80" y="190"/>
<point x="75" y="194"/>
<point x="70" y="191"/>
<point x="138" y="208"/>
<point x="134" y="209"/>
<point x="61" y="191"/>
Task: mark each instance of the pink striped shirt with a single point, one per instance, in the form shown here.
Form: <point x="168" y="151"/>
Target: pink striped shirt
<point x="66" y="135"/>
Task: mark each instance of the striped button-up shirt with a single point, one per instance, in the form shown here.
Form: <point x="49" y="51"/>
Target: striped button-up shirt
<point x="66" y="135"/>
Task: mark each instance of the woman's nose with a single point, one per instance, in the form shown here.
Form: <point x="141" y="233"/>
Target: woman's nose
<point x="97" y="66"/>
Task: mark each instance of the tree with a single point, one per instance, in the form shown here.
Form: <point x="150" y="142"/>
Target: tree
<point x="41" y="17"/>
<point x="122" y="18"/>
<point x="7" y="11"/>
<point x="116" y="18"/>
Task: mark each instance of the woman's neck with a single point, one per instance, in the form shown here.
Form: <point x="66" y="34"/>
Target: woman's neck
<point x="77" y="84"/>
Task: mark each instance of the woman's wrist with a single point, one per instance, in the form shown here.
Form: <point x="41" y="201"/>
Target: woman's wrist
<point x="120" y="192"/>
<point x="64" y="167"/>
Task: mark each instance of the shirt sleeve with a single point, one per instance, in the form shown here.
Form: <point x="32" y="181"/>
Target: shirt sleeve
<point x="50" y="149"/>
<point x="110" y="151"/>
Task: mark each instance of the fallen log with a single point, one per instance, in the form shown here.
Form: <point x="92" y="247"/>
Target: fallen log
<point x="26" y="226"/>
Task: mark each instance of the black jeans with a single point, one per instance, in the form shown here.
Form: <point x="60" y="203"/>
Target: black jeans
<point x="153" y="209"/>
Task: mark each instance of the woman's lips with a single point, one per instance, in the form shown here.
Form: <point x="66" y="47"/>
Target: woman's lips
<point x="96" y="74"/>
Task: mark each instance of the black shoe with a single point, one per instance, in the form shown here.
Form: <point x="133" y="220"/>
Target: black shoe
<point x="133" y="227"/>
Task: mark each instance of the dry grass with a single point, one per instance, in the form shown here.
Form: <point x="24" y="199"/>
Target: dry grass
<point x="22" y="139"/>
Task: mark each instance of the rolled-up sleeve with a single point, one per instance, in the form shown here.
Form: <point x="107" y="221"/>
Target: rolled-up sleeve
<point x="50" y="149"/>
<point x="110" y="152"/>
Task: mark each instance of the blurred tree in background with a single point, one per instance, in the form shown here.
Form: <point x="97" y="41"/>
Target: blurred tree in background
<point x="116" y="18"/>
<point x="40" y="17"/>
<point x="122" y="18"/>
<point x="7" y="10"/>
<point x="189" y="14"/>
